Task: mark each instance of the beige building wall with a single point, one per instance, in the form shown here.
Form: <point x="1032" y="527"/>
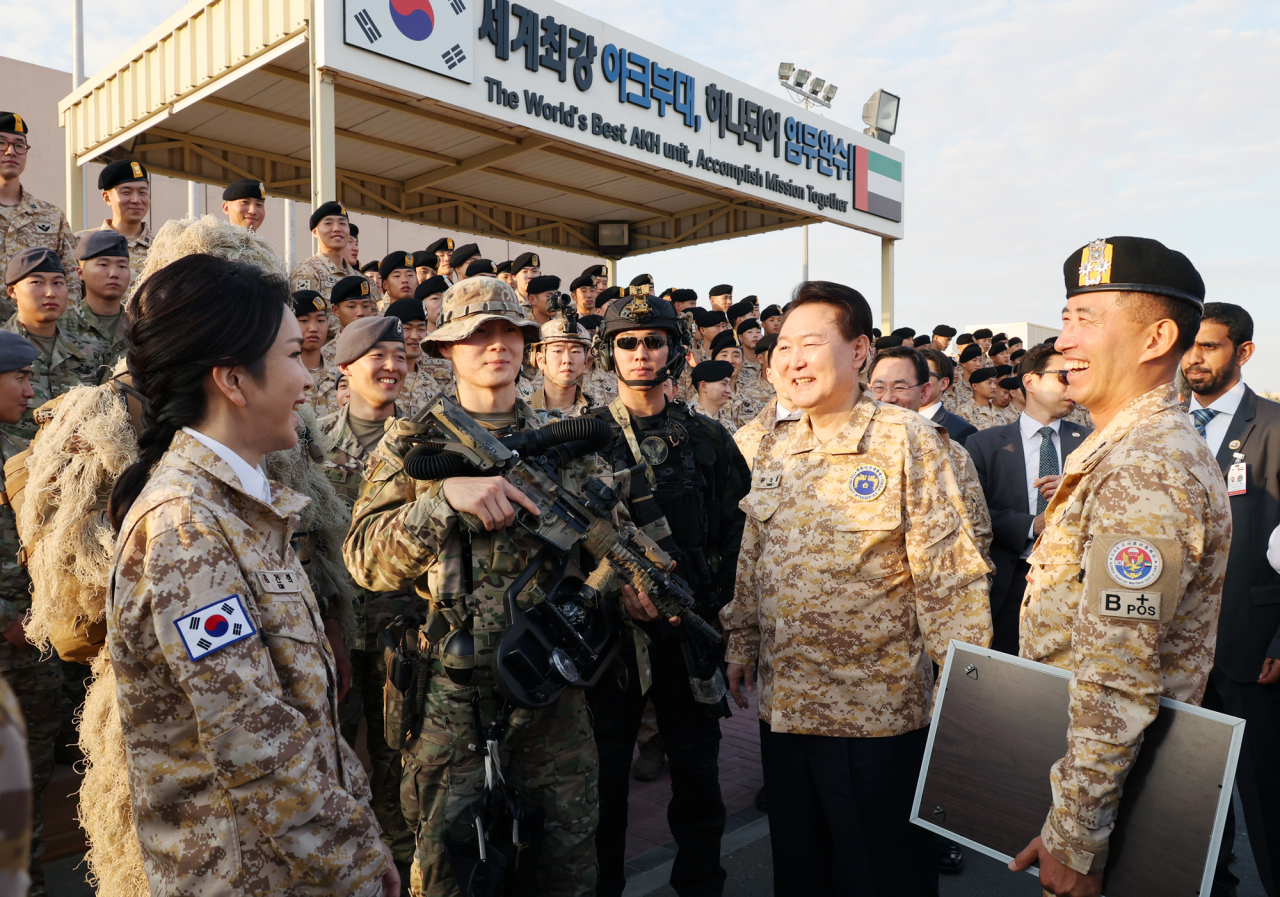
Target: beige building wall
<point x="33" y="92"/>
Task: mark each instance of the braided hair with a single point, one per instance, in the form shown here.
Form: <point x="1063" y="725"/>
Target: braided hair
<point x="189" y="317"/>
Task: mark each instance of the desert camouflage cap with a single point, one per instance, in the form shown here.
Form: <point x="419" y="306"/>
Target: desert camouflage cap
<point x="473" y="302"/>
<point x="562" y="330"/>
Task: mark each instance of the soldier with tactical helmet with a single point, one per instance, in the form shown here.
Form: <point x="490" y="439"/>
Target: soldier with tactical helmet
<point x="562" y="356"/>
<point x="455" y="543"/>
<point x="697" y="475"/>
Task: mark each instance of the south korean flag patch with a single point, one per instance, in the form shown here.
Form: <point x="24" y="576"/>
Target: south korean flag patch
<point x="214" y="627"/>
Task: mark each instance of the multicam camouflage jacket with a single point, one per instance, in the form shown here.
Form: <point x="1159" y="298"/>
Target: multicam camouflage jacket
<point x="241" y="782"/>
<point x="34" y="222"/>
<point x="72" y="364"/>
<point x="1124" y="591"/>
<point x="857" y="568"/>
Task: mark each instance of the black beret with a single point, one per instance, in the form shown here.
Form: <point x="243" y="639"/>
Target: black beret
<point x="922" y="340"/>
<point x="1134" y="265"/>
<point x="544" y="283"/>
<point x="406" y="310"/>
<point x="394" y="261"/>
<point x="525" y="260"/>
<point x="997" y="347"/>
<point x="607" y="295"/>
<point x="684" y="296"/>
<point x="424" y="259"/>
<point x="981" y="374"/>
<point x="353" y="287"/>
<point x="32" y="260"/>
<point x="904" y="332"/>
<point x="95" y="243"/>
<point x="444" y="244"/>
<point x="125" y="171"/>
<point x="307" y="301"/>
<point x="771" y="312"/>
<point x="359" y="337"/>
<point x="462" y="254"/>
<point x="666" y="294"/>
<point x="1004" y="370"/>
<point x="15" y="352"/>
<point x="752" y="299"/>
<point x="324" y="210"/>
<point x="964" y="339"/>
<point x="711" y="372"/>
<point x="1016" y="354"/>
<point x="580" y="282"/>
<point x="642" y="280"/>
<point x="982" y="333"/>
<point x="590" y="322"/>
<point x="431" y="286"/>
<point x="710" y="318"/>
<point x="766" y="344"/>
<point x="12" y="123"/>
<point x="726" y="339"/>
<point x="748" y="324"/>
<point x="245" y="188"/>
<point x="944" y="330"/>
<point x="368" y="267"/>
<point x="503" y="267"/>
<point x="875" y="333"/>
<point x="738" y="309"/>
<point x="480" y="266"/>
<point x="720" y="289"/>
<point x="888" y="342"/>
<point x="353" y="228"/>
<point x="596" y="271"/>
<point x="1010" y="383"/>
<point x="1014" y="340"/>
<point x="970" y="352"/>
<point x="1000" y="337"/>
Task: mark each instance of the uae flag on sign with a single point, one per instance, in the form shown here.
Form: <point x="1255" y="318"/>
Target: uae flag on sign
<point x="877" y="184"/>
<point x="215" y="626"/>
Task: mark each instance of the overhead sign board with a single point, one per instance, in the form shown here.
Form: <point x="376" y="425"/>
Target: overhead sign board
<point x="560" y="72"/>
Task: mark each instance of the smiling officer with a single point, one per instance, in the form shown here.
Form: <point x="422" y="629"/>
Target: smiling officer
<point x="1126" y="578"/>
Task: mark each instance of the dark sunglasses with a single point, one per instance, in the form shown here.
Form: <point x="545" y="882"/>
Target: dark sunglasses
<point x="631" y="343"/>
<point x="1062" y="375"/>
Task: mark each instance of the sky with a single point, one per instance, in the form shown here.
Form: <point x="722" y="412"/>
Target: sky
<point x="1030" y="128"/>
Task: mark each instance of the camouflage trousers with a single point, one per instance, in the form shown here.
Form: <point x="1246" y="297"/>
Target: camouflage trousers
<point x="549" y="755"/>
<point x="39" y="692"/>
<point x="364" y="701"/>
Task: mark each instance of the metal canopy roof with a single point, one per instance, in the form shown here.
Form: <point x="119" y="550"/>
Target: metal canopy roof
<point x="223" y="89"/>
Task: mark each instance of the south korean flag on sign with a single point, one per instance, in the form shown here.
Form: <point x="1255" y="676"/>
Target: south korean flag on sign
<point x="436" y="35"/>
<point x="214" y="627"/>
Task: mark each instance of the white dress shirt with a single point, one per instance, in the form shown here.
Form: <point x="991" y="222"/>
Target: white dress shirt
<point x="780" y="414"/>
<point x="1029" y="428"/>
<point x="1226" y="405"/>
<point x="931" y="412"/>
<point x="252" y="480"/>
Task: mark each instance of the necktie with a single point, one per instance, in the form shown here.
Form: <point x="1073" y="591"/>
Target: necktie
<point x="1048" y="463"/>
<point x="1202" y="416"/>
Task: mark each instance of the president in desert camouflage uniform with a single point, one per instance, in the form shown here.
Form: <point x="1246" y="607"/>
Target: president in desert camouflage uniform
<point x="36" y="681"/>
<point x="1126" y="579"/>
<point x="411" y="534"/>
<point x="857" y="568"/>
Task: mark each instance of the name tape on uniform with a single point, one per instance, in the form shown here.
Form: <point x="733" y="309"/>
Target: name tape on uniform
<point x="766" y="481"/>
<point x="215" y="626"/>
<point x="279" y="582"/>
<point x="1129" y="605"/>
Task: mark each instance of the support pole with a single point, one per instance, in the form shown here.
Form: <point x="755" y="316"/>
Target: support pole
<point x="886" y="285"/>
<point x="290" y="242"/>
<point x="324" y="168"/>
<point x="804" y="256"/>
<point x="77" y="185"/>
<point x="612" y="265"/>
<point x="193" y="200"/>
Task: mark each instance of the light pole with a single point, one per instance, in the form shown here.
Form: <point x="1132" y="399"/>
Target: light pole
<point x="819" y="93"/>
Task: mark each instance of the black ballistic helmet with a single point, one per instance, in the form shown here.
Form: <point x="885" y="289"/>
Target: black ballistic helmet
<point x="643" y="313"/>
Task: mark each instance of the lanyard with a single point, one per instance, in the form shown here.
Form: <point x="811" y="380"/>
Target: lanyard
<point x="619" y="412"/>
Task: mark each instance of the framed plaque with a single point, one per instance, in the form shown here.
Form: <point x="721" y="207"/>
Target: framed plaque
<point x="1000" y="723"/>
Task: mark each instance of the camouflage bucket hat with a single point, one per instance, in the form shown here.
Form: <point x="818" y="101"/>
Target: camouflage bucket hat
<point x="473" y="302"/>
<point x="561" y="330"/>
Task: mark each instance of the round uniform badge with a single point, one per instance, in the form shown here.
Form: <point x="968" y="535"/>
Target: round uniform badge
<point x="1134" y="563"/>
<point x="867" y="482"/>
<point x="654" y="450"/>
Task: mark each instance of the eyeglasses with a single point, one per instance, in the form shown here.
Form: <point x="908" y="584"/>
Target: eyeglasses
<point x="19" y="149"/>
<point x="1062" y="375"/>
<point x="898" y="391"/>
<point x="631" y="343"/>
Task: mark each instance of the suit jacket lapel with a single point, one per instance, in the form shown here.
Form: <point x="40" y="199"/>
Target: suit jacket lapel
<point x="1241" y="424"/>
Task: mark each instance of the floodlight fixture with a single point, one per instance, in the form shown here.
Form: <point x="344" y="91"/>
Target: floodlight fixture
<point x="816" y="85"/>
<point x="784" y="70"/>
<point x="801" y="77"/>
<point x="881" y="114"/>
<point x="829" y="93"/>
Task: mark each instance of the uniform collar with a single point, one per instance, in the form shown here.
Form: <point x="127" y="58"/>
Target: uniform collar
<point x="345" y="438"/>
<point x="143" y="237"/>
<point x="283" y="502"/>
<point x="848" y="438"/>
<point x="1145" y="406"/>
<point x="253" y="481"/>
<point x="63" y="347"/>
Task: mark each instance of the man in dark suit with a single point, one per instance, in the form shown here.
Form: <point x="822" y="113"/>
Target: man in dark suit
<point x="1243" y="431"/>
<point x="941" y="369"/>
<point x="1019" y="466"/>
